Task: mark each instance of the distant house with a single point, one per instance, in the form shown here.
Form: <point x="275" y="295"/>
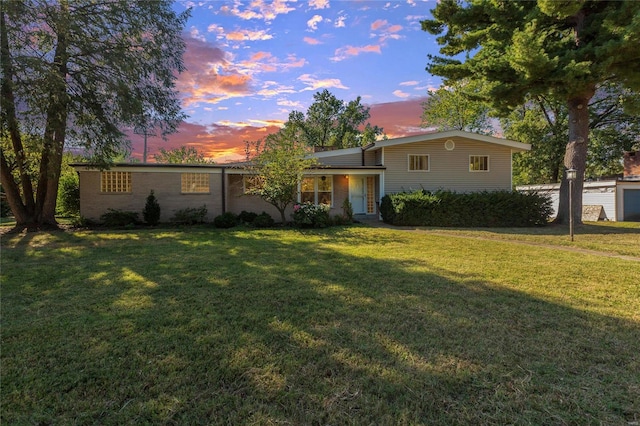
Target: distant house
<point x="616" y="199"/>
<point x="452" y="160"/>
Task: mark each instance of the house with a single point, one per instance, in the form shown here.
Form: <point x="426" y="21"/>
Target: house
<point x="614" y="199"/>
<point x="452" y="160"/>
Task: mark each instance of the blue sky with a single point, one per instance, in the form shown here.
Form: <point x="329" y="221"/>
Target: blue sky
<point x="250" y="63"/>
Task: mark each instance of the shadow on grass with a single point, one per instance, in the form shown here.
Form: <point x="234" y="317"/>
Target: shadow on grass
<point x="267" y="327"/>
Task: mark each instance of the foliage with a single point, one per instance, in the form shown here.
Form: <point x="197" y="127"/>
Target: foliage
<point x="114" y="218"/>
<point x="332" y="122"/>
<point x="75" y="74"/>
<point x="309" y="215"/>
<point x="347" y="210"/>
<point x="543" y="122"/>
<point x="190" y="215"/>
<point x="151" y="212"/>
<point x="226" y="220"/>
<point x="338" y="326"/>
<point x="279" y="165"/>
<point x="247" y="217"/>
<point x="182" y="155"/>
<point x="475" y="209"/>
<point x="68" y="203"/>
<point x="519" y="49"/>
<point x="456" y="107"/>
<point x="263" y="220"/>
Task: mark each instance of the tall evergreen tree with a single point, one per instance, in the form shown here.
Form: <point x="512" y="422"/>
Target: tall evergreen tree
<point x="561" y="49"/>
<point x="77" y="73"/>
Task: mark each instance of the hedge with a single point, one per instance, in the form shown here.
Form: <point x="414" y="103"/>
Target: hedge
<point x="476" y="209"/>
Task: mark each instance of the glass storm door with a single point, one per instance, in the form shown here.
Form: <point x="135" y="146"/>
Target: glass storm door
<point x="358" y="194"/>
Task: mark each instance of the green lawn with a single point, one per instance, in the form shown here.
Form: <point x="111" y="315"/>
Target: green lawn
<point x="341" y="326"/>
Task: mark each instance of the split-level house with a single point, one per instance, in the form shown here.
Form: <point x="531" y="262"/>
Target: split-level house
<point x="451" y="160"/>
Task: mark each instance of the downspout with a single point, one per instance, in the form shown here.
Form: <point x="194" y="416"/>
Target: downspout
<point x="224" y="191"/>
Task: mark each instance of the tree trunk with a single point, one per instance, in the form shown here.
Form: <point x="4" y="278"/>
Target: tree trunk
<point x="282" y="215"/>
<point x="575" y="157"/>
<point x="55" y="129"/>
<point x="23" y="208"/>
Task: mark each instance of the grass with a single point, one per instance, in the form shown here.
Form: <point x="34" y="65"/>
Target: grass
<point x="340" y="326"/>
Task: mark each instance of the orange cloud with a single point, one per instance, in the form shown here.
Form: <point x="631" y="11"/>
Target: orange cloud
<point x="224" y="142"/>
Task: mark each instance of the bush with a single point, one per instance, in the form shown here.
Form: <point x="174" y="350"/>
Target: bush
<point x="347" y="210"/>
<point x="151" y="212"/>
<point x="478" y="209"/>
<point x="247" y="217"/>
<point x="118" y="218"/>
<point x="68" y="203"/>
<point x="263" y="220"/>
<point x="190" y="215"/>
<point x="225" y="220"/>
<point x="309" y="215"/>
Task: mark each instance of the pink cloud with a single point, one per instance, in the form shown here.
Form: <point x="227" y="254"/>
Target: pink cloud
<point x="378" y="24"/>
<point x="348" y="51"/>
<point x="210" y="77"/>
<point x="402" y="118"/>
<point x="312" y="41"/>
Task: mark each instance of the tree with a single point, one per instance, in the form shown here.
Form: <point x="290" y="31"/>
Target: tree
<point x="332" y="122"/>
<point x="560" y="49"/>
<point x="182" y="155"/>
<point x="68" y="202"/>
<point x="151" y="211"/>
<point x="456" y="107"/>
<point x="542" y="122"/>
<point x="76" y="74"/>
<point x="278" y="165"/>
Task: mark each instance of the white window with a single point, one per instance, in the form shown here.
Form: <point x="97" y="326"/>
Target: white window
<point x="195" y="183"/>
<point x="317" y="190"/>
<point x="418" y="163"/>
<point x="115" y="182"/>
<point x="478" y="163"/>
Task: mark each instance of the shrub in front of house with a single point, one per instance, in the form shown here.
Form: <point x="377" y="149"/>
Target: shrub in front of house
<point x="225" y="220"/>
<point x="309" y="215"/>
<point x="68" y="202"/>
<point x="247" y="217"/>
<point x="476" y="209"/>
<point x="151" y="212"/>
<point x="190" y="215"/>
<point x="263" y="220"/>
<point x="117" y="218"/>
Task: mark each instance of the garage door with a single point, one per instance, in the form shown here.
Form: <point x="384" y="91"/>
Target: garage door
<point x="632" y="205"/>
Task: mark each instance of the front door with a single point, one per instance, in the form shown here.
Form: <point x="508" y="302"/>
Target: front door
<point x="358" y="194"/>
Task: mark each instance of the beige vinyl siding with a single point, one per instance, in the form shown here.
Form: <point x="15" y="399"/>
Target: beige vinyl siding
<point x="371" y="159"/>
<point x="342" y="160"/>
<point x="167" y="187"/>
<point x="448" y="169"/>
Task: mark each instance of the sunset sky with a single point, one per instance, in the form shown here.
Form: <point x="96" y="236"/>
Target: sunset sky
<point x="250" y="63"/>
